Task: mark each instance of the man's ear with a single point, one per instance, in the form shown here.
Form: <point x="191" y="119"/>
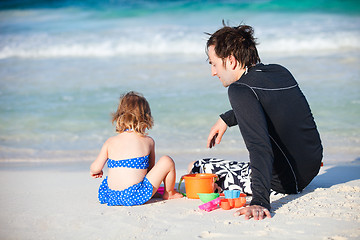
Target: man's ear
<point x="233" y="62"/>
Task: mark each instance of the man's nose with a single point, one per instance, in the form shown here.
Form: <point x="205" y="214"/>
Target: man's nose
<point x="213" y="71"/>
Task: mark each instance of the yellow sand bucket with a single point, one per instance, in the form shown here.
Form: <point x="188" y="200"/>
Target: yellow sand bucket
<point x="198" y="183"/>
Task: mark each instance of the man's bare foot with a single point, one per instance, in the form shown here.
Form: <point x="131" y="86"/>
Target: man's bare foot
<point x="172" y="195"/>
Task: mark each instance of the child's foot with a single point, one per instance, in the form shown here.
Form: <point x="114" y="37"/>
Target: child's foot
<point x="172" y="195"/>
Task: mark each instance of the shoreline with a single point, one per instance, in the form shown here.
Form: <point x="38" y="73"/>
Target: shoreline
<point x="181" y="158"/>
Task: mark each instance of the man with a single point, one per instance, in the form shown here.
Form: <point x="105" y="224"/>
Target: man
<point x="273" y="115"/>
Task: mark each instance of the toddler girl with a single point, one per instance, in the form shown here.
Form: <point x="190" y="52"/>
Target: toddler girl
<point x="133" y="177"/>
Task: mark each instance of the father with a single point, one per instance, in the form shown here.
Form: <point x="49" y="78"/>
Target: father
<point x="273" y="115"/>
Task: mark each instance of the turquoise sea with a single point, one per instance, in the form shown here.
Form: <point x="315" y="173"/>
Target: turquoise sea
<point x="64" y="64"/>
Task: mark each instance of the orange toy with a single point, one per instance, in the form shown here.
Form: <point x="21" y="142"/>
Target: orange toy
<point x="225" y="204"/>
<point x="229" y="203"/>
<point x="198" y="183"/>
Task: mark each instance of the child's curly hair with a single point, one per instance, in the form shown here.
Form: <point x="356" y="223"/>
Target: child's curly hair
<point x="133" y="113"/>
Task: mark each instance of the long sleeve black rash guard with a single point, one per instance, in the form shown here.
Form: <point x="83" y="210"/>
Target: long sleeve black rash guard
<point x="278" y="129"/>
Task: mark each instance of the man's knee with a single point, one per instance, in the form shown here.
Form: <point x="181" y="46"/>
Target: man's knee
<point x="190" y="167"/>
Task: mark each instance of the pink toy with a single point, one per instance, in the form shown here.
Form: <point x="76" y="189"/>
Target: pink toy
<point x="161" y="190"/>
<point x="209" y="206"/>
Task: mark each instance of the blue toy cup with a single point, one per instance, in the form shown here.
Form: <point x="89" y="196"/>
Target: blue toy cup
<point x="232" y="193"/>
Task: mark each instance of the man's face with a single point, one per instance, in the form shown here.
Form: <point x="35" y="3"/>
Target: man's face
<point x="224" y="73"/>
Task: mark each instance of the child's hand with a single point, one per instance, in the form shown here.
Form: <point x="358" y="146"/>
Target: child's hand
<point x="96" y="175"/>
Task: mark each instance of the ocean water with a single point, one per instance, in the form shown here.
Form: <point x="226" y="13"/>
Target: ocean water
<point x="64" y="64"/>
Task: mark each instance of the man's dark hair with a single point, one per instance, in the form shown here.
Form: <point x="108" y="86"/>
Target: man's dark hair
<point x="237" y="41"/>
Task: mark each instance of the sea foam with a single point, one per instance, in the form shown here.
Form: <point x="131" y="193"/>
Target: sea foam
<point x="46" y="46"/>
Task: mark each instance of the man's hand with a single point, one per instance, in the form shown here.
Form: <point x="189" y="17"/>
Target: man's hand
<point x="216" y="133"/>
<point x="254" y="211"/>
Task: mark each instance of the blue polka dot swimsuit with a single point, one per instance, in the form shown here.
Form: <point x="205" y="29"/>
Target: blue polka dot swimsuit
<point x="136" y="194"/>
<point x="138" y="163"/>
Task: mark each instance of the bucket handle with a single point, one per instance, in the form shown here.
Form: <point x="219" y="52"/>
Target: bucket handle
<point x="181" y="179"/>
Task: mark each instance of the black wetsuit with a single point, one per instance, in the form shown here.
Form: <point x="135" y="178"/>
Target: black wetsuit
<point x="278" y="129"/>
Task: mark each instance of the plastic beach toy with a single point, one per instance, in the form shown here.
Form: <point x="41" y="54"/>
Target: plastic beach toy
<point x="232" y="193"/>
<point x="198" y="183"/>
<point x="239" y="202"/>
<point x="225" y="204"/>
<point x="229" y="203"/>
<point x="212" y="205"/>
<point x="207" y="197"/>
<point x="161" y="190"/>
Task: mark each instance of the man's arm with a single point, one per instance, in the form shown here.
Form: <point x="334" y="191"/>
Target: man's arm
<point x="219" y="128"/>
<point x="229" y="118"/>
<point x="216" y="133"/>
<point x="253" y="126"/>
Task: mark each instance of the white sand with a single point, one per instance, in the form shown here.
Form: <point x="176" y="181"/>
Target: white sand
<point x="61" y="203"/>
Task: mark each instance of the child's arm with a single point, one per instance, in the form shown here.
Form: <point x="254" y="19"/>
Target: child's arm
<point x="97" y="166"/>
<point x="152" y="156"/>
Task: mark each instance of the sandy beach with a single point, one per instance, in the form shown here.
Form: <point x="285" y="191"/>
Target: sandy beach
<point x="64" y="64"/>
<point x="59" y="201"/>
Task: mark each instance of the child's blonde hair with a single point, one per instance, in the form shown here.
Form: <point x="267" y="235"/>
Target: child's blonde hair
<point x="133" y="113"/>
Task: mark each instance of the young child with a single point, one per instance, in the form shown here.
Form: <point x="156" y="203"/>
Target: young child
<point x="133" y="177"/>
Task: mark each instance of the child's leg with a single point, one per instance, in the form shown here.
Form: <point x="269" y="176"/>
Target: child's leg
<point x="164" y="170"/>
